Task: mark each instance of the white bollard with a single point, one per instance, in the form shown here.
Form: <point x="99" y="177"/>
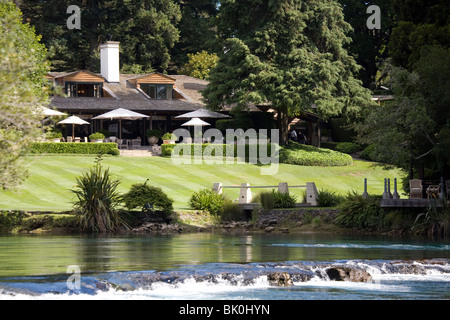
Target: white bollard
<point x="217" y="187"/>
<point x="245" y="195"/>
<point x="311" y="193"/>
<point x="283" y="187"/>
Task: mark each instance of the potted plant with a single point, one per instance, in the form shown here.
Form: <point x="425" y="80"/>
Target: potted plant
<point x="54" y="136"/>
<point x="97" y="137"/>
<point x="169" y="138"/>
<point x="153" y="136"/>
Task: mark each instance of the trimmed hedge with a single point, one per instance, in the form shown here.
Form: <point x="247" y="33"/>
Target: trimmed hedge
<point x="305" y="155"/>
<point x="74" y="148"/>
<point x="348" y="147"/>
<point x="166" y="149"/>
<point x="293" y="153"/>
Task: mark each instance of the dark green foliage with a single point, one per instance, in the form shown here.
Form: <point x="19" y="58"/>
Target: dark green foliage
<point x="207" y="200"/>
<point x="231" y="211"/>
<point x="341" y="130"/>
<point x="146" y="30"/>
<point x="11" y="219"/>
<point x="275" y="200"/>
<point x="97" y="201"/>
<point x="435" y="221"/>
<point x="267" y="199"/>
<point x="328" y="198"/>
<point x="348" y="147"/>
<point x="74" y="148"/>
<point x="289" y="54"/>
<point x="412" y="131"/>
<point x="360" y="213"/>
<point x="246" y="120"/>
<point x="284" y="200"/>
<point x="369" y="152"/>
<point x="142" y="194"/>
<point x="51" y="222"/>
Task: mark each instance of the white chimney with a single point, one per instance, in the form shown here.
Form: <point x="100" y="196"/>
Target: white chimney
<point x="109" y="61"/>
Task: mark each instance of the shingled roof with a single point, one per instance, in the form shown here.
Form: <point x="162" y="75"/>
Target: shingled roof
<point x="124" y="94"/>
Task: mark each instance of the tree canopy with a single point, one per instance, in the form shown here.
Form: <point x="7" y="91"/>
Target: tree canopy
<point x="146" y="30"/>
<point x="289" y="54"/>
<point x="22" y="76"/>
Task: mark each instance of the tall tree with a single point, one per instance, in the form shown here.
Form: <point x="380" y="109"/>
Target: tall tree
<point x="22" y="75"/>
<point x="413" y="131"/>
<point x="368" y="46"/>
<point x="197" y="30"/>
<point x="420" y="23"/>
<point x="146" y="29"/>
<point x="288" y="53"/>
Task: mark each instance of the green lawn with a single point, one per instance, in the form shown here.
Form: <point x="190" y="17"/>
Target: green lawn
<point x="52" y="177"/>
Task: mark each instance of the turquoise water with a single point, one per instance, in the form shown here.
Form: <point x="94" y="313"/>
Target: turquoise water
<point x="220" y="266"/>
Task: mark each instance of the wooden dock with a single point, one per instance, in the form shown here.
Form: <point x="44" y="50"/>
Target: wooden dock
<point x="409" y="203"/>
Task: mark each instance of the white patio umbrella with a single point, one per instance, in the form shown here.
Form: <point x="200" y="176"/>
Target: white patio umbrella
<point x="195" y="122"/>
<point x="51" y="112"/>
<point x="73" y="120"/>
<point x="203" y="113"/>
<point x="198" y="124"/>
<point x="121" y="114"/>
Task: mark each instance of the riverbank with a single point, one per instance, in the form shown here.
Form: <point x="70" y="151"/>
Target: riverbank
<point x="276" y="221"/>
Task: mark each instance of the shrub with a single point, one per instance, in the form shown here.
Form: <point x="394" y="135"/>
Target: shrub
<point x="97" y="200"/>
<point x="169" y="136"/>
<point x="11" y="219"/>
<point x="284" y="200"/>
<point x="97" y="136"/>
<point x="357" y="212"/>
<point x="348" y="147"/>
<point x="369" y="152"/>
<point x="142" y="194"/>
<point x="73" y="148"/>
<point x="327" y="198"/>
<point x="231" y="211"/>
<point x="154" y="133"/>
<point x="50" y="221"/>
<point x="166" y="150"/>
<point x="305" y="155"/>
<point x="207" y="200"/>
<point x="267" y="199"/>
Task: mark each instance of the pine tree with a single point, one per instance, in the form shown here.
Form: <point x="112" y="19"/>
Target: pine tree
<point x="146" y="30"/>
<point x="289" y="54"/>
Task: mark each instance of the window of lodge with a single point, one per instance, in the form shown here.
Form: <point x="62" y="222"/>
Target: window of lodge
<point x="78" y="89"/>
<point x="157" y="91"/>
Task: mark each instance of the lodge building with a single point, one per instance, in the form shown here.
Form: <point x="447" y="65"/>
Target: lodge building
<point x="159" y="96"/>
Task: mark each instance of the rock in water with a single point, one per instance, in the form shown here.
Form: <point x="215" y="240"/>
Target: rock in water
<point x="280" y="279"/>
<point x="348" y="274"/>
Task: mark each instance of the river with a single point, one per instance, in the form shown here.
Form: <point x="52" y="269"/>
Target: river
<point x="198" y="266"/>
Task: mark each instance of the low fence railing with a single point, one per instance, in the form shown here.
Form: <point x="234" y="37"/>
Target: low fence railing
<point x="245" y="193"/>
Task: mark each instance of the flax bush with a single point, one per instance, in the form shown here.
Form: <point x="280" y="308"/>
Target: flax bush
<point x="97" y="200"/>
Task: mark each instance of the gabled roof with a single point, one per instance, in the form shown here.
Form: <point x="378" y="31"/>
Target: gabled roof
<point x="58" y="75"/>
<point x="137" y="77"/>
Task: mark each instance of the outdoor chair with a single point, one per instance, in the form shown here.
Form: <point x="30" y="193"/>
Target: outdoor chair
<point x="415" y="189"/>
<point x="122" y="143"/>
<point x="136" y="143"/>
<point x="433" y="191"/>
<point x="69" y="139"/>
